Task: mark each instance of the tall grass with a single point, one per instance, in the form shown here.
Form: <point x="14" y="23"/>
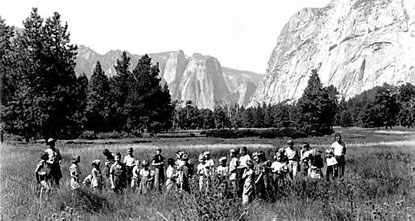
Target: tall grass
<point x="379" y="186"/>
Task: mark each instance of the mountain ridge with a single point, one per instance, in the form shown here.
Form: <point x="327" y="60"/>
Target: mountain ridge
<point x="199" y="78"/>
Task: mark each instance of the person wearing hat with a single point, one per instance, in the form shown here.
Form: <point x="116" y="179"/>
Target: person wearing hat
<point x="222" y="172"/>
<point x="339" y="149"/>
<point x="293" y="159"/>
<point x="331" y="164"/>
<point x="109" y="160"/>
<point x="145" y="177"/>
<point x="171" y="175"/>
<point x="158" y="164"/>
<point x="248" y="178"/>
<point x="305" y="147"/>
<point x="184" y="174"/>
<point x="118" y="175"/>
<point x="54" y="160"/>
<point x="210" y="169"/>
<point x="202" y="173"/>
<point x="129" y="162"/>
<point x="96" y="175"/>
<point x="263" y="177"/>
<point x="75" y="172"/>
<point x="233" y="170"/>
<point x="43" y="175"/>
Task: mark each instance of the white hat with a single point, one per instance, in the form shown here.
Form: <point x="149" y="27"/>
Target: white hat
<point x="50" y="140"/>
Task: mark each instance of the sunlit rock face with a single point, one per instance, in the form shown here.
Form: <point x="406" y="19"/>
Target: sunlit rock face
<point x="355" y="44"/>
<point x="199" y="78"/>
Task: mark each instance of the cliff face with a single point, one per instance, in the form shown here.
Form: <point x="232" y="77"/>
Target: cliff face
<point x="355" y="44"/>
<point x="198" y="78"/>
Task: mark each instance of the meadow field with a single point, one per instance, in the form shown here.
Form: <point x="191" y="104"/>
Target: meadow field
<point x="379" y="182"/>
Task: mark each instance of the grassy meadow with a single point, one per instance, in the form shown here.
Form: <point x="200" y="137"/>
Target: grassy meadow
<point x="379" y="183"/>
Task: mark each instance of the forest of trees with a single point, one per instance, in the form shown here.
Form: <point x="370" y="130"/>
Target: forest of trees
<point x="41" y="95"/>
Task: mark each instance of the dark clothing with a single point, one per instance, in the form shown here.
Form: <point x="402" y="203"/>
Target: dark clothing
<point x="158" y="159"/>
<point x="339" y="170"/>
<point x="330" y="172"/>
<point x="118" y="173"/>
<point x="158" y="171"/>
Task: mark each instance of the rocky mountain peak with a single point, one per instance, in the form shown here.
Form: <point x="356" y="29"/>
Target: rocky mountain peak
<point x="355" y="44"/>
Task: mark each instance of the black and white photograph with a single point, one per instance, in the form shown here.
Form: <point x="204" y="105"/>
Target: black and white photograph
<point x="240" y="110"/>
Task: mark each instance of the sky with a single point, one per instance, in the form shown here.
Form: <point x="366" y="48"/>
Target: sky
<point x="241" y="34"/>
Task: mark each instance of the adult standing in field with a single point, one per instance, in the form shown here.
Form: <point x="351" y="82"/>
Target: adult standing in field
<point x="118" y="175"/>
<point x="129" y="162"/>
<point x="243" y="159"/>
<point x="293" y="158"/>
<point x="339" y="150"/>
<point x="158" y="164"/>
<point x="54" y="161"/>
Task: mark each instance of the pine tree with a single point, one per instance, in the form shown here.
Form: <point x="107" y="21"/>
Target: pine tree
<point x="317" y="106"/>
<point x="98" y="101"/>
<point x="43" y="103"/>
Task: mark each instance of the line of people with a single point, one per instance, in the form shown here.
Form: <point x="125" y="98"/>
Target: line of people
<point x="245" y="176"/>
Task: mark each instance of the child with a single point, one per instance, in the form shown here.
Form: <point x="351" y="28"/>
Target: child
<point x="279" y="171"/>
<point x="171" y="175"/>
<point x="316" y="163"/>
<point x="249" y="178"/>
<point x="42" y="176"/>
<point x="184" y="174"/>
<point x="145" y="176"/>
<point x="135" y="182"/>
<point x="96" y="175"/>
<point x="233" y="170"/>
<point x="129" y="161"/>
<point x="210" y="168"/>
<point x="117" y="175"/>
<point x="222" y="172"/>
<point x="75" y="172"/>
<point x="201" y="171"/>
<point x="331" y="164"/>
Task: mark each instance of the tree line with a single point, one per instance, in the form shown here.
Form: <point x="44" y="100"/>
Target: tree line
<point x="41" y="96"/>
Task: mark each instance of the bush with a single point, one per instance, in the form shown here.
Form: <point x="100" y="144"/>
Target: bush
<point x="298" y="134"/>
<point x="89" y="135"/>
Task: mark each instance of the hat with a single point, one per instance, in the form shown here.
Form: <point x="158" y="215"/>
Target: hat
<point x="145" y="163"/>
<point x="206" y="153"/>
<point x="232" y="150"/>
<point x="185" y="157"/>
<point x="306" y="145"/>
<point x="329" y="151"/>
<point x="96" y="162"/>
<point x="50" y="140"/>
<point x="290" y="142"/>
<point x="222" y="159"/>
<point x="281" y="150"/>
<point x="158" y="148"/>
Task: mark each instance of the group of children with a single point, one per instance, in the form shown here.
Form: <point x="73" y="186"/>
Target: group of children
<point x="246" y="176"/>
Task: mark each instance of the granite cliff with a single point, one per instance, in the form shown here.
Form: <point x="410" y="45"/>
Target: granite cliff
<point x="355" y="45"/>
<point x="198" y="78"/>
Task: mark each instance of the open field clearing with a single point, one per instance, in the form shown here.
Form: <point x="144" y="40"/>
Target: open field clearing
<point x="379" y="183"/>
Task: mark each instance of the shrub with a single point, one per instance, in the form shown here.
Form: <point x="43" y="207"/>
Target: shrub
<point x="89" y="135"/>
